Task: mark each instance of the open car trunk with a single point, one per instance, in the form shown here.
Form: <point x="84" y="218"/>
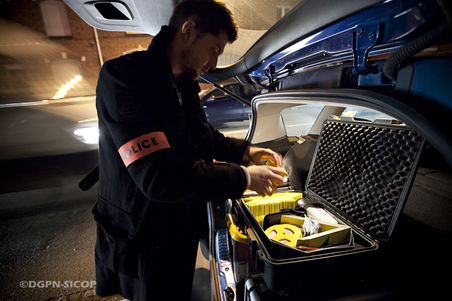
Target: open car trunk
<point x="374" y="177"/>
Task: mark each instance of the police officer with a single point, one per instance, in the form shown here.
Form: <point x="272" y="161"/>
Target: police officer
<point x="156" y="153"/>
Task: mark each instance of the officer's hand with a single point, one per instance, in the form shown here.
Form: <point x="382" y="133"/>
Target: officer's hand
<point x="256" y="155"/>
<point x="265" y="179"/>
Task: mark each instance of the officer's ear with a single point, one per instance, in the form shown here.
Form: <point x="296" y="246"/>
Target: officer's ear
<point x="189" y="31"/>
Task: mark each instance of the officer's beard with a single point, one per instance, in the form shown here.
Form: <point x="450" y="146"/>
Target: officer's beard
<point x="187" y="65"/>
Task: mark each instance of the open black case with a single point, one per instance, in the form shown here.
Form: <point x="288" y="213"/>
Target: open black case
<point x="361" y="173"/>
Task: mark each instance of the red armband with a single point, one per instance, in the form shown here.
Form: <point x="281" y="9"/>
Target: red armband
<point x="142" y="146"/>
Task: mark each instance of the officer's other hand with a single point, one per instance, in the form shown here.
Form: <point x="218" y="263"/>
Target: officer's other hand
<point x="257" y="154"/>
<point x="265" y="179"/>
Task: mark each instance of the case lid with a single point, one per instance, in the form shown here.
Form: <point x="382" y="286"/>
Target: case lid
<point x="364" y="171"/>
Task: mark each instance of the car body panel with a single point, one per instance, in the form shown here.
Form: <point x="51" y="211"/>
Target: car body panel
<point x="227" y="109"/>
<point x="304" y="20"/>
<point x="221" y="107"/>
<point x="351" y="38"/>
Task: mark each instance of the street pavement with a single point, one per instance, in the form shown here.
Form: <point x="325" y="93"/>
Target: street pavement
<point x="47" y="231"/>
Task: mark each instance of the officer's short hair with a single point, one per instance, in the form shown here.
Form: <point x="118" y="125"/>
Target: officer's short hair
<point x="209" y="16"/>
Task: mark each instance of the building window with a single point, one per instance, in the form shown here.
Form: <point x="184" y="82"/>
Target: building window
<point x="281" y="11"/>
<point x="55" y="18"/>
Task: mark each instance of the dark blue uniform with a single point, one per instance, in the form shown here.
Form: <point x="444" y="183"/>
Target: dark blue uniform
<point x="156" y="174"/>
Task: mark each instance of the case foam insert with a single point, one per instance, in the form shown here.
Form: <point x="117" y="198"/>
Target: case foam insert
<point x="365" y="172"/>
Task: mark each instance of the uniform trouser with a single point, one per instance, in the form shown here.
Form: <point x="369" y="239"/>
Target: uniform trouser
<point x="159" y="264"/>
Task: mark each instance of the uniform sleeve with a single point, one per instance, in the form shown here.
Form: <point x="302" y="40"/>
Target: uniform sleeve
<point x="229" y="149"/>
<point x="157" y="156"/>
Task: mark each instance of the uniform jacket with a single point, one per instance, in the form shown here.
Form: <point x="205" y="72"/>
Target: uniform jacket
<point x="156" y="167"/>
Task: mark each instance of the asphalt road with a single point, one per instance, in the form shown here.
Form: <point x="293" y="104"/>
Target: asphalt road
<point x="47" y="231"/>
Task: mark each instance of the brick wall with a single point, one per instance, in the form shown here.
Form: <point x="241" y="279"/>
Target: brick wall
<point x="78" y="49"/>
